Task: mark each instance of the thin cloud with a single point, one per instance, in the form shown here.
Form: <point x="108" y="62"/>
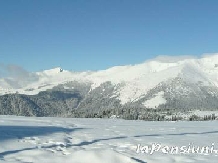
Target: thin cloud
<point x="15" y="72"/>
<point x="209" y="55"/>
<point x="171" y="59"/>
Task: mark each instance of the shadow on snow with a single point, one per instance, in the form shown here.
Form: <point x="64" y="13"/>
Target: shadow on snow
<point x="179" y="134"/>
<point x="19" y="132"/>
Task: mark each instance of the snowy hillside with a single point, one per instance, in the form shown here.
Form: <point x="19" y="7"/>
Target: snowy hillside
<point x="155" y="83"/>
<point x="55" y="140"/>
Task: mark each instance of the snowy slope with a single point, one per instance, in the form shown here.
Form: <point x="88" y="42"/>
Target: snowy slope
<point x="136" y="80"/>
<point x="156" y="101"/>
<point x="55" y="140"/>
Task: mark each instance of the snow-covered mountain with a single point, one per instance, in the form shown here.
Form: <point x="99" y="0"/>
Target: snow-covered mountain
<point x="180" y="82"/>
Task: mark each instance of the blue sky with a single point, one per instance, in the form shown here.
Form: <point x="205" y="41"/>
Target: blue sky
<point x="92" y="35"/>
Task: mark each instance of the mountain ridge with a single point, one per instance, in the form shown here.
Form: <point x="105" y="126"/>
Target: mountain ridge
<point x="185" y="84"/>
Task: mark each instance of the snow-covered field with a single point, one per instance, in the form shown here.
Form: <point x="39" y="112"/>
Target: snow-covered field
<point x="57" y="140"/>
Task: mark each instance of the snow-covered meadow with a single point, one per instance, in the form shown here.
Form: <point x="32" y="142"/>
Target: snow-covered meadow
<point x="55" y="140"/>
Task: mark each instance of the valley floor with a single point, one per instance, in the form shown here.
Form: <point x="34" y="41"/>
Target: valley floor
<point x="55" y="140"/>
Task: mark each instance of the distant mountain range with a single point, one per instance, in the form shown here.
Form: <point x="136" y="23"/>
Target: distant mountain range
<point x="153" y="89"/>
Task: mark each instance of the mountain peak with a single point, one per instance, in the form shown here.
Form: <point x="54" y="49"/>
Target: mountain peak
<point x="53" y="71"/>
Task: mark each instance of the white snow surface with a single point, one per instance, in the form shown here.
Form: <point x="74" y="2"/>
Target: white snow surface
<point x="137" y="79"/>
<point x="55" y="140"/>
<point x="156" y="101"/>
